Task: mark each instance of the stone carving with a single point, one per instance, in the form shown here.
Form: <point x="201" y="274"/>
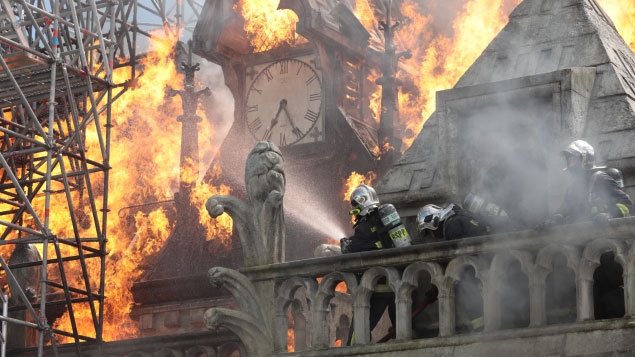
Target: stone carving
<point x="27" y="278"/>
<point x="249" y="324"/>
<point x="260" y="223"/>
<point x="241" y="288"/>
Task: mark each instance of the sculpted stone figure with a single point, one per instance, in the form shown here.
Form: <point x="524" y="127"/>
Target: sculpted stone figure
<point x="249" y="323"/>
<point x="260" y="223"/>
<point x="27" y="278"/>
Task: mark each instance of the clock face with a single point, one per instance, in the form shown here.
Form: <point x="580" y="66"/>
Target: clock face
<point x="284" y="102"/>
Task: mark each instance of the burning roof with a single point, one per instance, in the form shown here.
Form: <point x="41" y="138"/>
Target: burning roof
<point x="531" y="71"/>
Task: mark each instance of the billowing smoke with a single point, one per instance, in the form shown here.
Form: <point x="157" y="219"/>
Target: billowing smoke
<point x="509" y="156"/>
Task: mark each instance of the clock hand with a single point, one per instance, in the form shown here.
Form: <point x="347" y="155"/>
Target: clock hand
<point x="296" y="131"/>
<point x="274" y="121"/>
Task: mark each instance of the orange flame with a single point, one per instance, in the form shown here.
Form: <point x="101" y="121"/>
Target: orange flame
<point x="146" y="164"/>
<point x="145" y="130"/>
<point x="622" y="12"/>
<point x="259" y="16"/>
<point x="356" y="179"/>
<point x="291" y="333"/>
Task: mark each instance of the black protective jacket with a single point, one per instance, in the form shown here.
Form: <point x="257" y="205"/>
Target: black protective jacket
<point x="370" y="234"/>
<point x="461" y="224"/>
<point x="590" y="193"/>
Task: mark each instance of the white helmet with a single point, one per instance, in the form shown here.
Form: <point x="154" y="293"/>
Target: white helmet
<point x="363" y="199"/>
<point x="583" y="151"/>
<point x="430" y="216"/>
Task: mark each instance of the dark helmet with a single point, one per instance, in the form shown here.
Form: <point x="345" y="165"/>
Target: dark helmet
<point x="616" y="174"/>
<point x="363" y="199"/>
<point x="583" y="152"/>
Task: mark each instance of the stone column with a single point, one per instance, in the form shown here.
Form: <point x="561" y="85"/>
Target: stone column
<point x="537" y="310"/>
<point x="447" y="310"/>
<point x="403" y="302"/>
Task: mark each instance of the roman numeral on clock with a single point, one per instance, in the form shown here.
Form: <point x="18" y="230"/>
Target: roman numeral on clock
<point x="255" y="125"/>
<point x="297" y="132"/>
<point x="310" y="80"/>
<point x="284" y="67"/>
<point x="311" y="116"/>
<point x="268" y="74"/>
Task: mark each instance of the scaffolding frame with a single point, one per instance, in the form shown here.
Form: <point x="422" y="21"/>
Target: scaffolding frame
<point x="57" y="59"/>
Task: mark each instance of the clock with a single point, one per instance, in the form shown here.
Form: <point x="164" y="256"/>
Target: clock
<point x="284" y="103"/>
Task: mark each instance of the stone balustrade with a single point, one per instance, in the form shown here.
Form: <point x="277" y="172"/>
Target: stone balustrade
<point x="519" y="274"/>
<point x="529" y="256"/>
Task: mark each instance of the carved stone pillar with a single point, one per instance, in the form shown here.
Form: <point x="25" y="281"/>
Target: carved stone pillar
<point x="404" y="315"/>
<point x="584" y="300"/>
<point x="491" y="305"/>
<point x="447" y="310"/>
<point x="537" y="310"/>
<point x="361" y="318"/>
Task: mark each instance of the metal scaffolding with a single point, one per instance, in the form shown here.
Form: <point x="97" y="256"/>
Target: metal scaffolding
<point x="57" y="59"/>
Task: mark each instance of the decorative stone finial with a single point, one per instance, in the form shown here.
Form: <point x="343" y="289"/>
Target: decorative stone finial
<point x="260" y="223"/>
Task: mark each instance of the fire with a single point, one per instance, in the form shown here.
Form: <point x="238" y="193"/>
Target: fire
<point x="146" y="170"/>
<point x="356" y="179"/>
<point x="221" y="226"/>
<point x="443" y="58"/>
<point x="441" y="53"/>
<point x="291" y="333"/>
<point x="259" y="15"/>
<point x="622" y="12"/>
<point x="146" y="166"/>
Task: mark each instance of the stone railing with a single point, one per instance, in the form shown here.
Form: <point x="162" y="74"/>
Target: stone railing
<point x="516" y="267"/>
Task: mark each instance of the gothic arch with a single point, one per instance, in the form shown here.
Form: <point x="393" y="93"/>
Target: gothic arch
<point x="286" y="295"/>
<point x="409" y="282"/>
<point x="588" y="264"/>
<point x="447" y="293"/>
<point x="558" y="293"/>
<point x="545" y="256"/>
<point x="321" y="301"/>
<point x="361" y="299"/>
<point x="593" y="251"/>
<point x="493" y="290"/>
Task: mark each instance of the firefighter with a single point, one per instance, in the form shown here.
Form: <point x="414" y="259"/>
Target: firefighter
<point x="376" y="227"/>
<point x="592" y="193"/>
<point x="368" y="230"/>
<point x="451" y="222"/>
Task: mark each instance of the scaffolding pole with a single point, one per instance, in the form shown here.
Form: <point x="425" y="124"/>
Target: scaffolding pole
<point x="57" y="60"/>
